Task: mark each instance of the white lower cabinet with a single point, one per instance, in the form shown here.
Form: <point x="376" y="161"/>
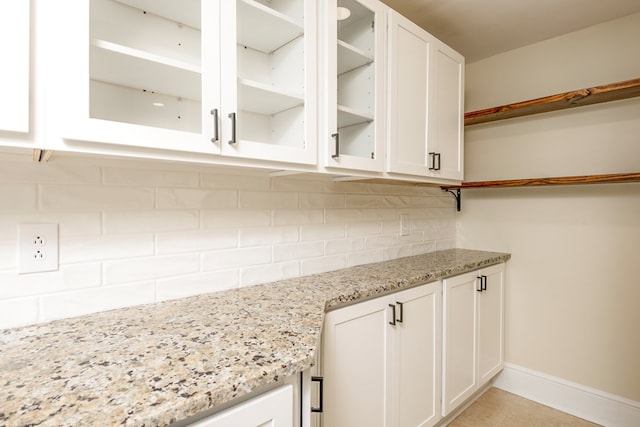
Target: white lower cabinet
<point x="473" y="331"/>
<point x="273" y="409"/>
<point x="381" y="361"/>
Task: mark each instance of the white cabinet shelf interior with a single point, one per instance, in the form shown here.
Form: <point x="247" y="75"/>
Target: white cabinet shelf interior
<point x="145" y="63"/>
<point x="356" y="80"/>
<point x="271" y="72"/>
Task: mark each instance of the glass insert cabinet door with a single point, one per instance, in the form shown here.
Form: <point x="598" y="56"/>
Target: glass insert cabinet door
<point x="133" y="72"/>
<point x="229" y="77"/>
<point x="268" y="81"/>
<point x="354" y="67"/>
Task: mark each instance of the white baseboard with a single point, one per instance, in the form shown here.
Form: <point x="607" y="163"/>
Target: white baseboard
<point x="590" y="404"/>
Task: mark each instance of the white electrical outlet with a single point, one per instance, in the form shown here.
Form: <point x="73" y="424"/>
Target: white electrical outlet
<point x="404" y="224"/>
<point x="37" y="248"/>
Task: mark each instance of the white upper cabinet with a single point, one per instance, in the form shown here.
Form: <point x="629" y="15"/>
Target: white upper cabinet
<point x="354" y="85"/>
<point x="133" y="72"/>
<point x="214" y="77"/>
<point x="425" y="103"/>
<point x="14" y="72"/>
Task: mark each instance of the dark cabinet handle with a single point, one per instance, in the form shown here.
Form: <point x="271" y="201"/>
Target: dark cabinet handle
<point x="434" y="161"/>
<point x="393" y="314"/>
<point x="216" y="136"/>
<point x="401" y="311"/>
<point x="232" y="116"/>
<point x="483" y="283"/>
<point x="320" y="381"/>
<point x="336" y="136"/>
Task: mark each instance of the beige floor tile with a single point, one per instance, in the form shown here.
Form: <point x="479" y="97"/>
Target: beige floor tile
<point x="498" y="408"/>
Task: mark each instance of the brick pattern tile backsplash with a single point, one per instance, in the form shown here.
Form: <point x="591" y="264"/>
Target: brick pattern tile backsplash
<point x="135" y="232"/>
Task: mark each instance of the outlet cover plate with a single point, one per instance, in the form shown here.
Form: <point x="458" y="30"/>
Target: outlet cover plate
<point x="37" y="248"/>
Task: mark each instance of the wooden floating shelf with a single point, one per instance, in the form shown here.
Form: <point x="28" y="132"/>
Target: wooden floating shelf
<point x="564" y="180"/>
<point x="576" y="98"/>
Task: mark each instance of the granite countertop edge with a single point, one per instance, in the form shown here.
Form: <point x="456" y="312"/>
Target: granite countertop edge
<point x="159" y="363"/>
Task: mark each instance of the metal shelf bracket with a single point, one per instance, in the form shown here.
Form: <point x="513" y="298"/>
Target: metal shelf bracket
<point x="457" y="194"/>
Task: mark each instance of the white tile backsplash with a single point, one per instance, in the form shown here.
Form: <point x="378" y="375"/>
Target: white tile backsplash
<point x="134" y="232"/>
<point x="17" y="197"/>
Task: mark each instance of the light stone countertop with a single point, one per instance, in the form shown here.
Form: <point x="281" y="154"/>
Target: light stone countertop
<point x="159" y="363"/>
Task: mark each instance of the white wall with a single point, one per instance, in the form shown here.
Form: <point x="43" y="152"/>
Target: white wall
<point x="135" y="232"/>
<point x="573" y="288"/>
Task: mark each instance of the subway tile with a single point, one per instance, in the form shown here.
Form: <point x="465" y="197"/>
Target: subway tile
<point x="139" y="269"/>
<point x="363" y="201"/>
<point x="412" y="237"/>
<point x="396" y="252"/>
<point x="395" y="201"/>
<point x="297" y="251"/>
<point x="17" y="197"/>
<point x="298" y="217"/>
<point x="322" y="264"/>
<point x="18" y="312"/>
<point x="150" y="178"/>
<point x="423" y="248"/>
<point x="363" y="229"/>
<point x="381" y="215"/>
<point x="97" y="248"/>
<point x="185" y="198"/>
<point x="390" y="227"/>
<point x="143" y="221"/>
<point x="233" y="181"/>
<point x="290" y="183"/>
<point x="364" y="257"/>
<point x="332" y="216"/>
<point x="321" y="232"/>
<point x="235" y="218"/>
<point x="322" y="200"/>
<point x="267" y="236"/>
<point x="269" y="273"/>
<point x="76" y="303"/>
<point x="51" y="172"/>
<point x="348" y="187"/>
<point x="201" y="283"/>
<point x="70" y="223"/>
<point x="74" y="276"/>
<point x="341" y="246"/>
<point x="84" y="197"/>
<point x="267" y="200"/>
<point x="381" y="241"/>
<point x="231" y="258"/>
<point x="196" y="241"/>
<point x="8" y="254"/>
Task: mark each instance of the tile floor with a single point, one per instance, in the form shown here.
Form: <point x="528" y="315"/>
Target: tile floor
<point x="498" y="408"/>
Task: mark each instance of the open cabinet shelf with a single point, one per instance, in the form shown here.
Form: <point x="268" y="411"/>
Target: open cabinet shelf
<point x="281" y="28"/>
<point x="350" y="57"/>
<point x="577" y="98"/>
<point x="129" y="67"/>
